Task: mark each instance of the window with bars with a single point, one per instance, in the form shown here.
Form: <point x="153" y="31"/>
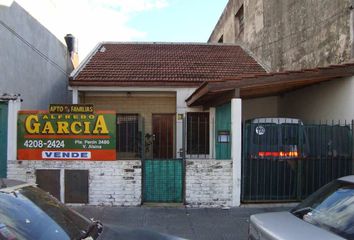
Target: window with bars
<point x="198" y="133"/>
<point x="127" y="136"/>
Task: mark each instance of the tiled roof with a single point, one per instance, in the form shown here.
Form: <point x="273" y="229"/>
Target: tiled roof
<point x="163" y="64"/>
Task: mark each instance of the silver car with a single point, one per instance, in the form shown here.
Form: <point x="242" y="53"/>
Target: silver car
<point x="326" y="214"/>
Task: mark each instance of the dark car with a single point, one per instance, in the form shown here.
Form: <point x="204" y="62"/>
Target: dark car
<point x="326" y="214"/>
<point x="27" y="212"/>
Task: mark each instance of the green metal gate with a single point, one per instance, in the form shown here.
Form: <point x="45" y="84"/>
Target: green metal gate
<point x="3" y="139"/>
<point x="163" y="180"/>
<point x="163" y="175"/>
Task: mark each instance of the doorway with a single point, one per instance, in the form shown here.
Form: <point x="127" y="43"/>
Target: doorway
<point x="3" y="139"/>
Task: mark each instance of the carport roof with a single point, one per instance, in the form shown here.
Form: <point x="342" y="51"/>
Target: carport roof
<point x="264" y="84"/>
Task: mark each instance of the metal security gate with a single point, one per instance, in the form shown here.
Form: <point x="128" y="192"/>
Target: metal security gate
<point x="163" y="175"/>
<point x="285" y="160"/>
<point x="3" y="139"/>
<point x="163" y="180"/>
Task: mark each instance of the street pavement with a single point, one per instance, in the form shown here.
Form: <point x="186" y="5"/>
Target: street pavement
<point x="189" y="223"/>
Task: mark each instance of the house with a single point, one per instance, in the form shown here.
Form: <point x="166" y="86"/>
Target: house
<point x="166" y="151"/>
<point x="184" y="120"/>
<point x="34" y="67"/>
<point x="289" y="35"/>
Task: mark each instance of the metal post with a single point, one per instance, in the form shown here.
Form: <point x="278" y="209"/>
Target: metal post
<point x="142" y="158"/>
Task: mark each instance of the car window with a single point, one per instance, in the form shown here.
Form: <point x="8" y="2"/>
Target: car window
<point x="31" y="213"/>
<point x="290" y="134"/>
<point x="265" y="133"/>
<point x="331" y="208"/>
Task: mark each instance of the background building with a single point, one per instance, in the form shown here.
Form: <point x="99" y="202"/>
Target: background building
<point x="306" y="47"/>
<point x="34" y="63"/>
<point x="289" y="34"/>
<point x="34" y="66"/>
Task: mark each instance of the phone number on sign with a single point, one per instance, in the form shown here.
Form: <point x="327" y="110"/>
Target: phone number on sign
<point x="44" y="144"/>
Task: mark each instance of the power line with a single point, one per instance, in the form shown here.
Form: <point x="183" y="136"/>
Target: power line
<point x="36" y="50"/>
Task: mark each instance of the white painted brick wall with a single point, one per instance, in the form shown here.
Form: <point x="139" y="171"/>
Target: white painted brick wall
<point x="116" y="183"/>
<point x="208" y="183"/>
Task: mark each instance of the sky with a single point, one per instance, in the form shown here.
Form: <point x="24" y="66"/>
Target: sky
<point x="93" y="21"/>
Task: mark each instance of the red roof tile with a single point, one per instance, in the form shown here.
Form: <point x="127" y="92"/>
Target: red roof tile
<point x="162" y="64"/>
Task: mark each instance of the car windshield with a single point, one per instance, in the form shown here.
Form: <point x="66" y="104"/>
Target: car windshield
<point x="30" y="213"/>
<point x="331" y="208"/>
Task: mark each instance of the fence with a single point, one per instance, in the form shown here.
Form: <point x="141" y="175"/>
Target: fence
<point x="285" y="160"/>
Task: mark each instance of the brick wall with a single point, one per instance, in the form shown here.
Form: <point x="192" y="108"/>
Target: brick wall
<point x="208" y="183"/>
<point x="116" y="183"/>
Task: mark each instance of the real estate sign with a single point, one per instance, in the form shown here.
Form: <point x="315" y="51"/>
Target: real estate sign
<point x="76" y="136"/>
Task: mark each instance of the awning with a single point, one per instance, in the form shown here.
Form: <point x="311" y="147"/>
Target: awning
<point x="215" y="93"/>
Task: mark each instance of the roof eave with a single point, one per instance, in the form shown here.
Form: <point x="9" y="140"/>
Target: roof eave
<point x="77" y="70"/>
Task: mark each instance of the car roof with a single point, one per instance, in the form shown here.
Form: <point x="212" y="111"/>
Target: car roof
<point x="347" y="178"/>
<point x="292" y="228"/>
<point x="9" y="183"/>
<point x="277" y="120"/>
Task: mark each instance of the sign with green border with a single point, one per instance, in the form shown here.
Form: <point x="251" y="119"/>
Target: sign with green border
<point x="75" y="136"/>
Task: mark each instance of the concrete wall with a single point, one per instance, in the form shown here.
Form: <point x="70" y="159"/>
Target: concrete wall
<point x="33" y="62"/>
<point x="332" y="100"/>
<point x="143" y="103"/>
<point x="209" y="183"/>
<point x="329" y="101"/>
<point x="290" y="34"/>
<point x="114" y="183"/>
<point x="260" y="107"/>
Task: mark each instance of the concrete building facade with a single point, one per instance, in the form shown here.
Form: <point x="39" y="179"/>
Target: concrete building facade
<point x="289" y="34"/>
<point x="34" y="63"/>
<point x="34" y="66"/>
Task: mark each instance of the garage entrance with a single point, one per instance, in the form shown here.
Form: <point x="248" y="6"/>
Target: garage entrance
<point x="3" y="139"/>
<point x="286" y="160"/>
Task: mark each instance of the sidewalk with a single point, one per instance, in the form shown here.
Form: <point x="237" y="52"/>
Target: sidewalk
<point x="195" y="224"/>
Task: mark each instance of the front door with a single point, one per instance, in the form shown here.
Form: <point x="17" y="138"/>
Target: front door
<point x="163" y="175"/>
<point x="3" y="139"/>
<point x="163" y="135"/>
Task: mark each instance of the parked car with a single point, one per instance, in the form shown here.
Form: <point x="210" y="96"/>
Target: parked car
<point x="27" y="212"/>
<point x="276" y="138"/>
<point x="326" y="214"/>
